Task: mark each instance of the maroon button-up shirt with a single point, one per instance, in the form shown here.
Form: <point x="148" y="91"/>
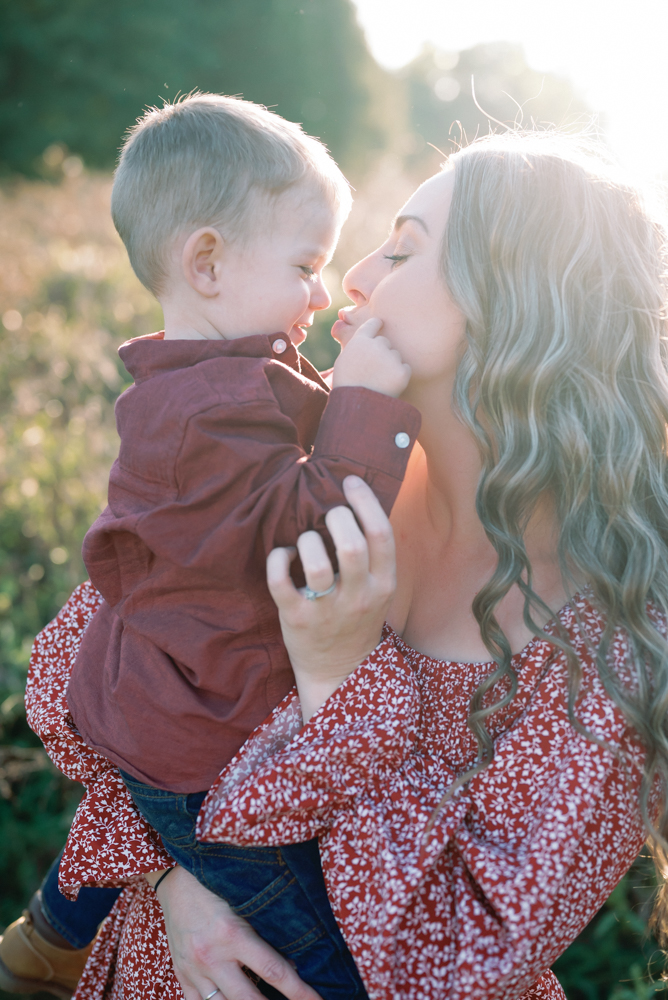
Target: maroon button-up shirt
<point x="226" y="452"/>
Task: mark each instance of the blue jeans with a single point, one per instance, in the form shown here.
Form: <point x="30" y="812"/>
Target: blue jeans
<point x="280" y="891"/>
<point x="76" y="921"/>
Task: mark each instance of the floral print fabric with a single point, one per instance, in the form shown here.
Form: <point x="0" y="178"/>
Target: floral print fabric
<point x="475" y="899"/>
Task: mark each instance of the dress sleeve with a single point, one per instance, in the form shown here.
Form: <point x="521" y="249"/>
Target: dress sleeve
<point x="480" y="895"/>
<point x="109" y="841"/>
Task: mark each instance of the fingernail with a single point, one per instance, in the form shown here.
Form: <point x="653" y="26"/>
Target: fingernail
<point x="353" y="481"/>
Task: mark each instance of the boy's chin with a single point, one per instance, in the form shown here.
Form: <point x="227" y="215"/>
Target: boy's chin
<point x="297" y="335"/>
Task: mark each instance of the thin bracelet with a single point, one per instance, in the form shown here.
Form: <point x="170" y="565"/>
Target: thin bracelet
<point x="164" y="875"/>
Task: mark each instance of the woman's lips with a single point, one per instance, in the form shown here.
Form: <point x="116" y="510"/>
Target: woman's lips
<point x="340" y="330"/>
<point x="343" y="329"/>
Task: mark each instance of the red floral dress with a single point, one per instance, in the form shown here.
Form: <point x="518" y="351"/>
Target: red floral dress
<point x="478" y="904"/>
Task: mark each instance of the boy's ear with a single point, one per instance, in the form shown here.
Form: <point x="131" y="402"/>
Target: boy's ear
<point x="202" y="260"/>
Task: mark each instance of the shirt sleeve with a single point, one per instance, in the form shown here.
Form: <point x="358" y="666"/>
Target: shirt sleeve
<point x="243" y="480"/>
<point x="484" y="889"/>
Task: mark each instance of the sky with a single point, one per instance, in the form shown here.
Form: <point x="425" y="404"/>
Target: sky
<point x="615" y="53"/>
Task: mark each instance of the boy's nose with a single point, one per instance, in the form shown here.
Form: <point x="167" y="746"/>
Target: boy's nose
<point x="320" y="297"/>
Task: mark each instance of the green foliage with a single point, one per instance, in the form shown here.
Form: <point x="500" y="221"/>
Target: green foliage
<point x="79" y="72"/>
<point x="59" y="377"/>
<point x="615" y="958"/>
<point x="441" y="95"/>
<point x="67" y="310"/>
<point x="73" y="75"/>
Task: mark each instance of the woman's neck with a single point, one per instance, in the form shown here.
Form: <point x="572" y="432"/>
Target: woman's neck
<point x="444" y="555"/>
<point x="450" y="467"/>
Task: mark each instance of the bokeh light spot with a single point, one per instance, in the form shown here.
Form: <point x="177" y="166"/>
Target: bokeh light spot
<point x="29" y="487"/>
<point x="33" y="436"/>
<point x="53" y="409"/>
<point x="54" y="155"/>
<point x="12" y="320"/>
<point x="73" y="166"/>
<point x="446" y="88"/>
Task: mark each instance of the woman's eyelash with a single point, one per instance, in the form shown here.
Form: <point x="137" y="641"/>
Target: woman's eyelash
<point x="396" y="258"/>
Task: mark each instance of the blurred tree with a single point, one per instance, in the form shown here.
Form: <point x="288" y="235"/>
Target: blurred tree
<point x="440" y="95"/>
<point x="79" y="72"/>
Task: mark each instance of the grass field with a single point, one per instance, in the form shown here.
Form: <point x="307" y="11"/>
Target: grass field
<point x="67" y="300"/>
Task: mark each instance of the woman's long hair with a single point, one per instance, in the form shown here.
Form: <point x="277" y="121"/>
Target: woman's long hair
<point x="561" y="272"/>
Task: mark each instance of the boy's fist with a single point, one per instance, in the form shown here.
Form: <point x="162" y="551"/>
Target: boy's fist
<point x="369" y="361"/>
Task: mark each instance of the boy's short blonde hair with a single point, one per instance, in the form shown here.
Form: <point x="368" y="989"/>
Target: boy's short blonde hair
<point x="203" y="161"/>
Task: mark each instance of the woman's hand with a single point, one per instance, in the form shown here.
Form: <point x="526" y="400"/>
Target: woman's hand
<point x="327" y="638"/>
<point x="209" y="944"/>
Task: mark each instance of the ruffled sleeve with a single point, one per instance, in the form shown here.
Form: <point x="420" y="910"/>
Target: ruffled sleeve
<point x="475" y="899"/>
<point x="109" y="842"/>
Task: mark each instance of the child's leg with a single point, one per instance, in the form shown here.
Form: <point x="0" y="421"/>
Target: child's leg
<point x="279" y="891"/>
<point x="47" y="948"/>
<point x="77" y="921"/>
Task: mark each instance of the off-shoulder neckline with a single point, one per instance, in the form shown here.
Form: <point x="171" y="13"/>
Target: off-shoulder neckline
<point x="576" y="601"/>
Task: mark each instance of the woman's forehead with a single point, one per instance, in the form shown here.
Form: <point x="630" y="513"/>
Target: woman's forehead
<point x="431" y="201"/>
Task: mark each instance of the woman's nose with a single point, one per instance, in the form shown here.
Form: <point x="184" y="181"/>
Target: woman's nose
<point x="358" y="282"/>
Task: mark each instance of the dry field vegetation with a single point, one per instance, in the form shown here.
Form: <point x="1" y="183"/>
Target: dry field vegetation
<point x="68" y="299"/>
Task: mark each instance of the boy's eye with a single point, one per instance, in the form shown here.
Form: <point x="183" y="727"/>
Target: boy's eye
<point x="396" y="258"/>
<point x="309" y="272"/>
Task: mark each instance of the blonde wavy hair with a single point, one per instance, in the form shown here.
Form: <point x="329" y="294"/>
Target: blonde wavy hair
<point x="561" y="272"/>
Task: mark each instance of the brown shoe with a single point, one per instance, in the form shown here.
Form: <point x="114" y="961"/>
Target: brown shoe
<point x="29" y="963"/>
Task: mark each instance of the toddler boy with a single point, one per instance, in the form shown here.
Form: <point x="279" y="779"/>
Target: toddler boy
<point x="230" y="446"/>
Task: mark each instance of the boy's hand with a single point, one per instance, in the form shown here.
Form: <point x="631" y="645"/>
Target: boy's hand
<point x="371" y="362"/>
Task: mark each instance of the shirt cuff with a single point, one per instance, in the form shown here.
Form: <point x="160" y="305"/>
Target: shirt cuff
<point x="368" y="428"/>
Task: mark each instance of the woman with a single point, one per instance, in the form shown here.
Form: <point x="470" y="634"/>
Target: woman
<point x="488" y="773"/>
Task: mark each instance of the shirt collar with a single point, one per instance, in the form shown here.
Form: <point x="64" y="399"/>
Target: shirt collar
<point x="151" y="355"/>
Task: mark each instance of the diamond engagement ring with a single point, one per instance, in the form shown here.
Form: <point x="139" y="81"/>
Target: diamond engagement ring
<point x="209" y="995"/>
<point x="313" y="595"/>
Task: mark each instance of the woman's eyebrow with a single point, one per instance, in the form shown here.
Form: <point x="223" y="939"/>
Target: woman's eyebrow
<point x="401" y="219"/>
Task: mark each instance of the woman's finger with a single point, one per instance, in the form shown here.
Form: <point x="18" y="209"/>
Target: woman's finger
<point x="191" y="992"/>
<point x="315" y="561"/>
<point x="271" y="967"/>
<point x="279" y="581"/>
<point x="275" y="970"/>
<point x="232" y="982"/>
<point x="351" y="547"/>
<point x="376" y="526"/>
<point x="195" y="986"/>
<point x="205" y="988"/>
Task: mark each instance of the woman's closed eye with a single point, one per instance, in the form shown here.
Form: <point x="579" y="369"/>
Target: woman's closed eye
<point x="396" y="258"/>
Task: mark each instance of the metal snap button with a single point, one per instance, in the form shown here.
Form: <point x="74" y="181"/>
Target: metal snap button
<point x="402" y="440"/>
<point x="279" y="346"/>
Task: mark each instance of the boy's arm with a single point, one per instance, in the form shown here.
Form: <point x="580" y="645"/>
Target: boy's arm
<point x="245" y="481"/>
